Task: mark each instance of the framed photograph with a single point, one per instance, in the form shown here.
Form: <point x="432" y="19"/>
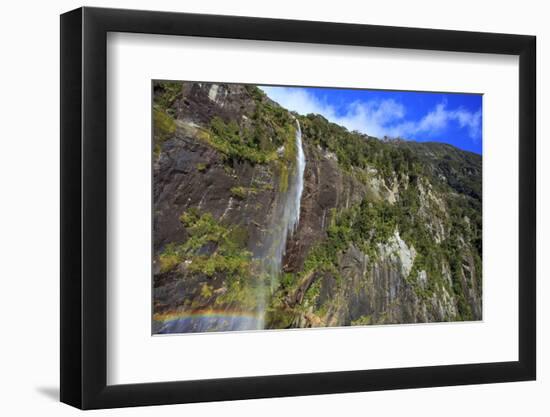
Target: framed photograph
<point x="256" y="208"/>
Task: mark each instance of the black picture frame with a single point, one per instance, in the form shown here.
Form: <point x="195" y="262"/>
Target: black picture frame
<point x="84" y="207"/>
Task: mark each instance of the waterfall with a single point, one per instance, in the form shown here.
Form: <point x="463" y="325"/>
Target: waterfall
<point x="292" y="200"/>
<point x="294" y="215"/>
<point x="287" y="217"/>
<point x="285" y="220"/>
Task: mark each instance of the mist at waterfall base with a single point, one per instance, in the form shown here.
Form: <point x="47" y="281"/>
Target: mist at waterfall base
<point x="284" y="224"/>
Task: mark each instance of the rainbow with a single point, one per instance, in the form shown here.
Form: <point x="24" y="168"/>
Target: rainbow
<point x="212" y="314"/>
<point x="199" y="321"/>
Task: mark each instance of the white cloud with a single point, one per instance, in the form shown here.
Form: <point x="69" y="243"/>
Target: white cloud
<point x="436" y="121"/>
<point x="378" y="117"/>
<point x="371" y="117"/>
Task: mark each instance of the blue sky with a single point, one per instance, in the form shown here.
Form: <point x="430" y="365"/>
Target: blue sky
<point x="420" y="116"/>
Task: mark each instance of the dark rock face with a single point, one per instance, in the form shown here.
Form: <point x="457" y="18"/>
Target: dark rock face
<point x="382" y="275"/>
<point x="191" y="174"/>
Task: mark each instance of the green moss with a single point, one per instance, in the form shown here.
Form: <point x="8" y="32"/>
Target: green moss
<point x="166" y="93"/>
<point x="168" y="260"/>
<point x="239" y="192"/>
<point x="243" y="192"/>
<point x="206" y="290"/>
<point x="164" y="127"/>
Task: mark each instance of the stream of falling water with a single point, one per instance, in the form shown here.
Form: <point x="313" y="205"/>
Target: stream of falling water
<point x="285" y="219"/>
<point x="284" y="223"/>
<point x="287" y="212"/>
<point x="298" y="183"/>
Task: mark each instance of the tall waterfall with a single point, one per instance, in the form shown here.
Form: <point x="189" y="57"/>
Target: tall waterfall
<point x="287" y="214"/>
<point x="285" y="219"/>
<point x="294" y="215"/>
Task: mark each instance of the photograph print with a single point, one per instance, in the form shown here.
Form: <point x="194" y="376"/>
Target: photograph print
<point x="278" y="207"/>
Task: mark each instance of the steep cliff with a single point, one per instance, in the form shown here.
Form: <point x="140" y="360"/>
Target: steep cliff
<point x="245" y="237"/>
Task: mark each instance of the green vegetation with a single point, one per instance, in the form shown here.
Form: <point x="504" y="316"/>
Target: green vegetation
<point x="270" y="130"/>
<point x="251" y="144"/>
<point x="365" y="225"/>
<point x="255" y="93"/>
<point x="242" y="192"/>
<point x="460" y="170"/>
<point x="235" y="144"/>
<point x="371" y="223"/>
<point x="279" y="315"/>
<point x="206" y="290"/>
<point x="227" y="256"/>
<point x="239" y="192"/>
<point x="166" y="93"/>
<point x="214" y="250"/>
<point x="168" y="259"/>
<point x="164" y="127"/>
<point x="272" y="127"/>
<point x="354" y="149"/>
